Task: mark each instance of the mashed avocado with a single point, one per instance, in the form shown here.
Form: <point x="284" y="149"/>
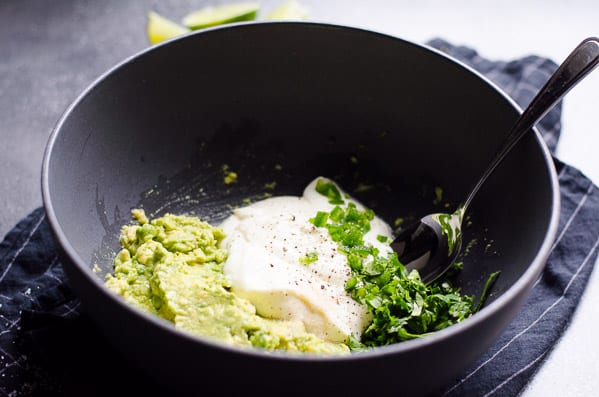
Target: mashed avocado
<point x="173" y="267"/>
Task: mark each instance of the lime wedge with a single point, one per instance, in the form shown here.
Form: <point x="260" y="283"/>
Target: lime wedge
<point x="219" y="15"/>
<point x="160" y="28"/>
<point x="288" y="10"/>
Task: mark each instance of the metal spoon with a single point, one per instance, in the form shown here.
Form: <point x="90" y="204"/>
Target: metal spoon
<point x="432" y="243"/>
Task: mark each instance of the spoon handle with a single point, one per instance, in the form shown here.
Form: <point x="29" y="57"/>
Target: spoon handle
<point x="581" y="61"/>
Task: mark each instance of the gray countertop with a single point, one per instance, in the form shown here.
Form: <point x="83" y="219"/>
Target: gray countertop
<point x="51" y="50"/>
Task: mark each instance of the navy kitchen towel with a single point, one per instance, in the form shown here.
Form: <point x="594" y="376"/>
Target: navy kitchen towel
<point x="506" y="368"/>
<point x="48" y="346"/>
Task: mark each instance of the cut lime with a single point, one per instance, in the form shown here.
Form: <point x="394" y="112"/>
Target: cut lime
<point x="219" y="15"/>
<point x="288" y="10"/>
<point x="160" y="28"/>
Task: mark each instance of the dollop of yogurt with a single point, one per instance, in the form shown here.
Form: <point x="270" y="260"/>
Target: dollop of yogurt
<point x="292" y="270"/>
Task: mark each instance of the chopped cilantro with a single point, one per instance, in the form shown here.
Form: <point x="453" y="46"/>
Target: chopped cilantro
<point x="329" y="190"/>
<point x="455" y="268"/>
<point x="485" y="294"/>
<point x="402" y="305"/>
<point x="382" y="239"/>
<point x="320" y="219"/>
<point x="309" y="258"/>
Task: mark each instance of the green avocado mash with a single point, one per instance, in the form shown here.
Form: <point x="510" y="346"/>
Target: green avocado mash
<point x="173" y="267"/>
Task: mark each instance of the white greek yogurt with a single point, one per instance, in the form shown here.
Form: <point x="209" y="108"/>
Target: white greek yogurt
<point x="267" y="243"/>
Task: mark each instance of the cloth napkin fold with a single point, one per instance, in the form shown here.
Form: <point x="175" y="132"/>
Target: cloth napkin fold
<point x="48" y="345"/>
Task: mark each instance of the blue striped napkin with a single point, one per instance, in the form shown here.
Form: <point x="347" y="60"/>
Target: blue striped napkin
<point x="506" y="368"/>
<point x="48" y="346"/>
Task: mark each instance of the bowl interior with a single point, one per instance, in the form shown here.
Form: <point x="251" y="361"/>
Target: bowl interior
<point x="287" y="102"/>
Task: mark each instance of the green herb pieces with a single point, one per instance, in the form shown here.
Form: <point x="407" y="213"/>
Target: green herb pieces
<point x="309" y="258"/>
<point x="451" y="227"/>
<point x="347" y="225"/>
<point x="402" y="306"/>
<point x="486" y="289"/>
<point x="330" y="191"/>
<point x="320" y="219"/>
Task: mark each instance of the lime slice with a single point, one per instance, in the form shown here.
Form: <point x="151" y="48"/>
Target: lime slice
<point x="219" y="15"/>
<point x="160" y="28"/>
<point x="288" y="10"/>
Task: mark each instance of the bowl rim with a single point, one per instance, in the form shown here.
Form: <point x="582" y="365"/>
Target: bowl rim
<point x="521" y="285"/>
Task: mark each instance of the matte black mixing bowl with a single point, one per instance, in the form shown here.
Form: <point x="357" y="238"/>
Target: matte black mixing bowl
<point x="287" y="102"/>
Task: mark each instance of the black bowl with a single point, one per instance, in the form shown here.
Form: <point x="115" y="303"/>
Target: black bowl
<point x="156" y="130"/>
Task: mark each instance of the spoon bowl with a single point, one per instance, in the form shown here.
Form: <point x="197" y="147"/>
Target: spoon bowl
<point x="432" y="243"/>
